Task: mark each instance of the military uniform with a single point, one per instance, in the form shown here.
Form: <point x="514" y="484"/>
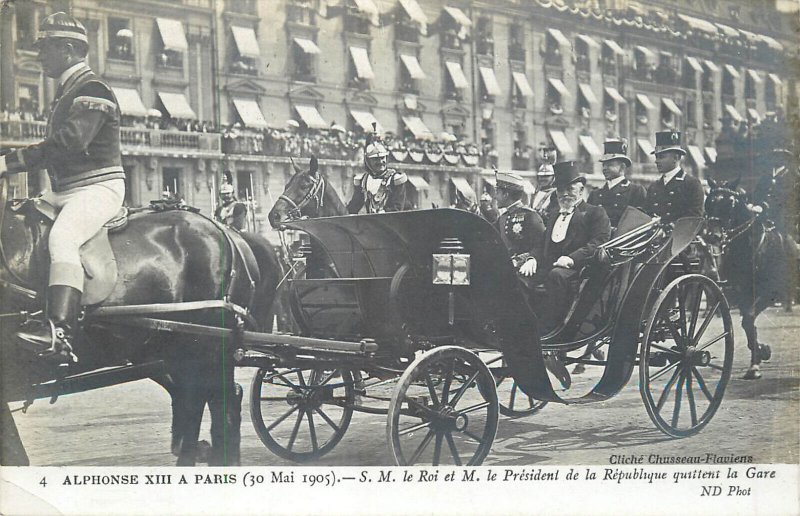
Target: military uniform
<point x="522" y="231"/>
<point x="233" y="214"/>
<point x="381" y="194"/>
<point x="682" y="195"/>
<point x="617" y="198"/>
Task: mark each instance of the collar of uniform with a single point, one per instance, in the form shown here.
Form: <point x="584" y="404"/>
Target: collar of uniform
<point x="69" y="72"/>
<point x="507" y="208"/>
<point x="614" y="182"/>
<point x="675" y="173"/>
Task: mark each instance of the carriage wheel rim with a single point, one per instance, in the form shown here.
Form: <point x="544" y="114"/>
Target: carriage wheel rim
<point x="440" y="439"/>
<point x="310" y="416"/>
<point x="685" y="375"/>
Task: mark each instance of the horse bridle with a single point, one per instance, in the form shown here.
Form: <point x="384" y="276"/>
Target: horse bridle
<point x="317" y="193"/>
<point x="730" y="235"/>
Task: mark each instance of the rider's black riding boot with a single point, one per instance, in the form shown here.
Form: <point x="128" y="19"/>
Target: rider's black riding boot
<point x="63" y="309"/>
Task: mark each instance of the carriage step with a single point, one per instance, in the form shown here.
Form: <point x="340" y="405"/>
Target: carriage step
<point x="97" y="379"/>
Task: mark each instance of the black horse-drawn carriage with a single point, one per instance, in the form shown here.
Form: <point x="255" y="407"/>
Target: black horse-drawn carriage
<point x="433" y="300"/>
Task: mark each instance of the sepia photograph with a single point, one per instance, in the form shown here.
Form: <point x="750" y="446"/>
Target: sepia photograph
<point x="401" y="240"/>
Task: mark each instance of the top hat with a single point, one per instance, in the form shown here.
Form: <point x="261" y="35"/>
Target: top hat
<point x="509" y="181"/>
<point x="615" y="149"/>
<point x="61" y="25"/>
<point x="668" y="141"/>
<point x="566" y="173"/>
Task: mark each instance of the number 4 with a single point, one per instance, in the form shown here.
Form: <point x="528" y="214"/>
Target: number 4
<point x="43" y="481"/>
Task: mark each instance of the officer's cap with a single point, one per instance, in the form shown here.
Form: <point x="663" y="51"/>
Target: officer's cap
<point x="510" y="181"/>
<point x="61" y="25"/>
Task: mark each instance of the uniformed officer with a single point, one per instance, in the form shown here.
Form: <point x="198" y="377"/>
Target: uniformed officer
<point x="617" y="193"/>
<point x="231" y="212"/>
<point x="487" y="209"/>
<point x="380" y="189"/>
<point x="676" y="193"/>
<point x="521" y="228"/>
<point x="81" y="153"/>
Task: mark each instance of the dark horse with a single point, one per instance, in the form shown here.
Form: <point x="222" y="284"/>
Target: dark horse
<point x="163" y="256"/>
<point x="753" y="261"/>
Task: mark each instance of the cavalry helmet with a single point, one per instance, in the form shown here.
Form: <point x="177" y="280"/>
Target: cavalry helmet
<point x="226" y="189"/>
<point x="61" y="25"/>
<point x="373" y="150"/>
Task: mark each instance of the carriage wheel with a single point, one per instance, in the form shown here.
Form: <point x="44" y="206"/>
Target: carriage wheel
<point x="686" y="356"/>
<point x="443" y="410"/>
<point x="308" y="410"/>
<point x="512" y="402"/>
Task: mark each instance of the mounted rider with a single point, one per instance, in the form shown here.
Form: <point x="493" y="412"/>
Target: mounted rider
<point x="380" y="189"/>
<point x="81" y="154"/>
<point x="231" y="212"/>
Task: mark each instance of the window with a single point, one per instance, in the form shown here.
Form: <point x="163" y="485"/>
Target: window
<point x="171" y="179"/>
<point x="516" y="42"/>
<point x="556" y="91"/>
<point x="749" y="86"/>
<point x="521" y="160"/>
<point x="245" y="6"/>
<point x="666" y="72"/>
<point x="245" y="52"/>
<point x="586" y="100"/>
<point x="484" y="39"/>
<point x="359" y="71"/>
<point x="356" y="20"/>
<point x="410" y="73"/>
<point x="609" y="56"/>
<point x="554" y="41"/>
<point x="708" y="115"/>
<point x="643" y="108"/>
<point x="26" y="25"/>
<point x="28" y="95"/>
<point x="691" y="113"/>
<point x="729" y="80"/>
<point x="455" y="80"/>
<point x="244" y="185"/>
<point x="707" y="80"/>
<point x="120" y="39"/>
<point x="670" y="113"/>
<point x="582" y="59"/>
<point x="769" y="93"/>
<point x="487" y="143"/>
<point x="643" y="63"/>
<point x="173" y="43"/>
<point x="304" y="52"/>
<point x="303" y="12"/>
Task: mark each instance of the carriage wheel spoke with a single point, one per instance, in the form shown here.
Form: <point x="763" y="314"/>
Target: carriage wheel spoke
<point x="663" y="371"/>
<point x="702" y="384"/>
<point x="706" y="322"/>
<point x="690" y="398"/>
<point x="453" y="451"/>
<point x="282" y="418"/>
<point x="437" y="449"/>
<point x="676" y="410"/>
<point x="272" y="398"/>
<point x="295" y="430"/>
<point x="682" y="309"/>
<point x="472" y="436"/>
<point x="695" y="310"/>
<point x="328" y="420"/>
<point x="716" y="367"/>
<point x="328" y="378"/>
<point x="713" y="341"/>
<point x="474" y="408"/>
<point x="448" y="379"/>
<point x="513" y="395"/>
<point x="414" y="428"/>
<point x="427" y="411"/>
<point x="463" y="389"/>
<point x="663" y="398"/>
<point x="301" y="378"/>
<point x="675" y="331"/>
<point x="312" y="431"/>
<point x="662" y="348"/>
<point x="424" y="444"/>
<point x="431" y="390"/>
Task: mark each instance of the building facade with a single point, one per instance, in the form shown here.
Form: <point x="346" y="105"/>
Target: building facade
<point x="507" y="76"/>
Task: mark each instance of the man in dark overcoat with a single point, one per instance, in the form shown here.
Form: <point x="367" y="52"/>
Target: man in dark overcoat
<point x="618" y="192"/>
<point x="676" y="193"/>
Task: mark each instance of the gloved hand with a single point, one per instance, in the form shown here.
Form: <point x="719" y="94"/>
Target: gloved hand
<point x="529" y="267"/>
<point x="565" y="262"/>
<point x="758" y="210"/>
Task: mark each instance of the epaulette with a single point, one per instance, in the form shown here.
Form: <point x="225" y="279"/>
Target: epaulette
<point x="398" y="177"/>
<point x="95" y="95"/>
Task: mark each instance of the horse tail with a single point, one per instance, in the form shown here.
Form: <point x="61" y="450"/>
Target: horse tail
<point x="270" y="273"/>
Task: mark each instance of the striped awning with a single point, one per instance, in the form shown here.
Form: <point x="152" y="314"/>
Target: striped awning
<point x="671" y="106"/>
<point x="457" y="74"/>
<point x="733" y="113"/>
<point x="522" y="83"/>
<point x="614" y="46"/>
<point x="755" y="76"/>
<point x="458" y="15"/>
<point x="695" y="64"/>
<point x="246" y="42"/>
<point x="711" y="155"/>
<point x="615" y="95"/>
<point x="696" y="155"/>
<point x="712" y="66"/>
<point x="732" y="71"/>
<point x="588" y="143"/>
<point x="418" y="182"/>
<point x="590" y="41"/>
<point x="645" y="146"/>
<point x="644" y="100"/>
<point x="177" y="105"/>
<point x="412" y="65"/>
<point x="365" y="119"/>
<point x="489" y="81"/>
<point x="588" y="94"/>
<point x="311" y="117"/>
<point x="561" y="142"/>
<point x="463" y="186"/>
<point x="699" y="24"/>
<point x="361" y="62"/>
<point x="559" y="36"/>
<point x="130" y="103"/>
<point x="417" y="127"/>
<point x="172" y="35"/>
<point x="558" y="85"/>
<point x="307" y="46"/>
<point x="648" y="54"/>
<point x="415" y="12"/>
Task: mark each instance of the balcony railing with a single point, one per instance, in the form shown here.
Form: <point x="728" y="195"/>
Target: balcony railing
<point x="21" y="131"/>
<point x="157" y="139"/>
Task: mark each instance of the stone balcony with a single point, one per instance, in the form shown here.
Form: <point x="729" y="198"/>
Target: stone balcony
<point x="147" y="142"/>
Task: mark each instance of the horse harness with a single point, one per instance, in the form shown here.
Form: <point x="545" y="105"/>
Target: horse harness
<point x="317" y="193"/>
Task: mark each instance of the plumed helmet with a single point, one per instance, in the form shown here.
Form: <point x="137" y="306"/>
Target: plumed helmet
<point x="374" y="149"/>
<point x="61" y="25"/>
<point x="226" y="188"/>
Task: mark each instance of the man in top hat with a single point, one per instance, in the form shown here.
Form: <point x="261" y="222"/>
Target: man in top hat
<point x="776" y="197"/>
<point x="676" y="193"/>
<point x="521" y="228"/>
<point x="81" y="154"/>
<point x="544" y="201"/>
<point x="380" y="189"/>
<point x="570" y="242"/>
<point x="618" y="192"/>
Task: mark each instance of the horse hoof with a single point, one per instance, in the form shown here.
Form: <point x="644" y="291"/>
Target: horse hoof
<point x="579" y="369"/>
<point x="765" y="352"/>
<point x="752" y="374"/>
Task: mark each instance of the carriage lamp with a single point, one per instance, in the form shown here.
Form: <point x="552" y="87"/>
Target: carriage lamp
<point x="451" y="267"/>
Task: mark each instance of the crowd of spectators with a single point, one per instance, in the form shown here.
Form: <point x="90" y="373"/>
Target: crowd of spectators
<point x="28" y="113"/>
